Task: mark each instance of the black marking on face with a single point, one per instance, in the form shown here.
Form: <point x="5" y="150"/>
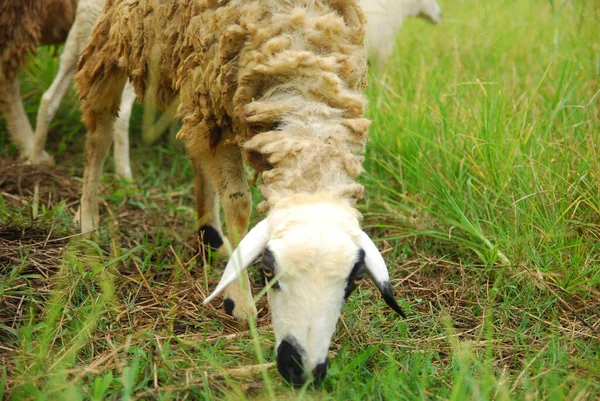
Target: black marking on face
<point x="289" y="362"/>
<point x="211" y="239"/>
<point x="320" y="372"/>
<point x="267" y="268"/>
<point x="359" y="271"/>
<point x="388" y="297"/>
<point x="229" y="305"/>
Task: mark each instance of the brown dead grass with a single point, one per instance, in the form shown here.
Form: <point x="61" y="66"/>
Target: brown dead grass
<point x="164" y="299"/>
<point x="18" y="183"/>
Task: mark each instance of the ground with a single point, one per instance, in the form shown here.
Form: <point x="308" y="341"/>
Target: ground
<point x="482" y="192"/>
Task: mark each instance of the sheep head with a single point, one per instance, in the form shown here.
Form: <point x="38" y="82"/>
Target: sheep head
<point x="314" y="255"/>
<point x="428" y="10"/>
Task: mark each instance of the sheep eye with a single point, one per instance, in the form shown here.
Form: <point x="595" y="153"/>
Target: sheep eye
<point x="268" y="272"/>
<point x="268" y="268"/>
<point x="360" y="276"/>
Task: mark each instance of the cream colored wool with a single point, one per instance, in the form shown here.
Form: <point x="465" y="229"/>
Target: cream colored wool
<point x="282" y="79"/>
<point x="278" y="80"/>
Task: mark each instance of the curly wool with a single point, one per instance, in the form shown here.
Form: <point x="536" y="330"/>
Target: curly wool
<point x="280" y="78"/>
<point x="27" y="24"/>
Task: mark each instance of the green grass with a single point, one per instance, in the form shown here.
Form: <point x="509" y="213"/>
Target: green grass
<point x="482" y="185"/>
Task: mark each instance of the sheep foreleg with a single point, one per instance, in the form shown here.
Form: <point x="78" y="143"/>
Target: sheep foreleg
<point x="96" y="148"/>
<point x="224" y="167"/>
<point x="207" y="211"/>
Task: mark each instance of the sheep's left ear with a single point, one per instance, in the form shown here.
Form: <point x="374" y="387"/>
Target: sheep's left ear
<point x="378" y="272"/>
<point x="249" y="248"/>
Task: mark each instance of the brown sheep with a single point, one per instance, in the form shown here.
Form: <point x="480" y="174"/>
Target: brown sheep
<point x="278" y="83"/>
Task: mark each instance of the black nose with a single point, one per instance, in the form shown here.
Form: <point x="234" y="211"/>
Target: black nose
<point x="320" y="372"/>
<point x="289" y="363"/>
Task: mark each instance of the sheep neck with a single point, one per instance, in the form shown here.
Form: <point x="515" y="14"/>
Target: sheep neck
<point x="310" y="154"/>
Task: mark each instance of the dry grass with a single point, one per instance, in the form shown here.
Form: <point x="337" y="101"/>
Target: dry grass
<point x="164" y="299"/>
<point x="158" y="300"/>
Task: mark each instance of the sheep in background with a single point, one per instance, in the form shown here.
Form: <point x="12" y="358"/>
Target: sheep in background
<point x="279" y="82"/>
<point x="88" y="12"/>
<point x="26" y="24"/>
<point x="385" y="18"/>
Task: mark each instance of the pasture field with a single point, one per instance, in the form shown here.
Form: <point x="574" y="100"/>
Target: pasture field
<point x="482" y="191"/>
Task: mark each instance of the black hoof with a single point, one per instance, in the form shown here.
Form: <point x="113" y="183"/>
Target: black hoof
<point x="229" y="305"/>
<point x="211" y="241"/>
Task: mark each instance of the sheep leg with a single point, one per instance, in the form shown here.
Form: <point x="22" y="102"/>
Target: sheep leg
<point x="96" y="148"/>
<point x="98" y="114"/>
<point x="16" y="118"/>
<point x="121" y="133"/>
<point x="77" y="39"/>
<point x="207" y="211"/>
<point x="225" y="169"/>
<point x="49" y="104"/>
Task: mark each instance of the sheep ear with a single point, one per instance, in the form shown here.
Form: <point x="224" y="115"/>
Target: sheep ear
<point x="378" y="272"/>
<point x="249" y="248"/>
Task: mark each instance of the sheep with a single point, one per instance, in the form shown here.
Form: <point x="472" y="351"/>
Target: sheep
<point x="88" y="12"/>
<point x="24" y="26"/>
<point x="276" y="83"/>
<point x="385" y="18"/>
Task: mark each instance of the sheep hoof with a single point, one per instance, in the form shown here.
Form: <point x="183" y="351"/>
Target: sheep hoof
<point x="241" y="311"/>
<point x="124" y="172"/>
<point x="88" y="230"/>
<point x="229" y="305"/>
<point x="211" y="242"/>
<point x="42" y="158"/>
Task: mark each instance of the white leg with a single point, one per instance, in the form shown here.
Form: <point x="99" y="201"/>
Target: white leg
<point x="51" y="101"/>
<point x="48" y="106"/>
<point x="79" y="36"/>
<point x="16" y="118"/>
<point x="121" y="134"/>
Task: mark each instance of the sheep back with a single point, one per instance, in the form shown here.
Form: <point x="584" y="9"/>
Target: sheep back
<point x="244" y="72"/>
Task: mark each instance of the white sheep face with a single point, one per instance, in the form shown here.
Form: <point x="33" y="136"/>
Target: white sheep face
<point x="313" y="255"/>
<point x="311" y="262"/>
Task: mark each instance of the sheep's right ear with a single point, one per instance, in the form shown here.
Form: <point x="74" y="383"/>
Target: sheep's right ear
<point x="378" y="272"/>
<point x="249" y="248"/>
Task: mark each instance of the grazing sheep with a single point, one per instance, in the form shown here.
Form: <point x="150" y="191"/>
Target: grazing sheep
<point x="385" y="18"/>
<point x="24" y="25"/>
<point x="278" y="83"/>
